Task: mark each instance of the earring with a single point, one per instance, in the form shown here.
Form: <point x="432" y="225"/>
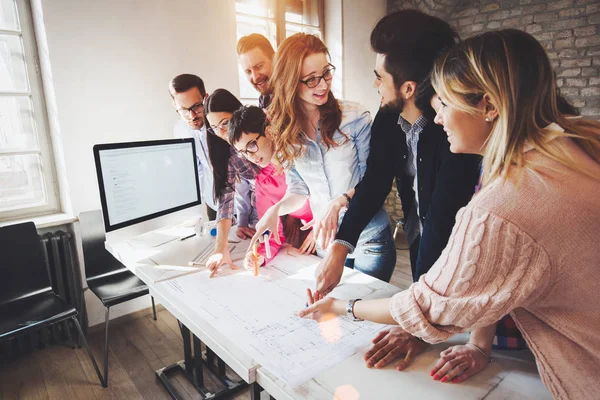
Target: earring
<point x="488" y="119"/>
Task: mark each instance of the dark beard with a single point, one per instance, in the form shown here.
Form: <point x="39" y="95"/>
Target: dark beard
<point x="394" y="106"/>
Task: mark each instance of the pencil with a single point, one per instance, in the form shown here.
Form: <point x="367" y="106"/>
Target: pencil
<point x="255" y="254"/>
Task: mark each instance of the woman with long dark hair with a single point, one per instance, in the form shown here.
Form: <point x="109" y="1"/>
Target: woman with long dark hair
<point x="233" y="177"/>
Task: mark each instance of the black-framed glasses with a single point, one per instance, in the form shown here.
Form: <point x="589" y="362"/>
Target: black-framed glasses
<point x="221" y="127"/>
<point x="251" y="148"/>
<point x="314" y="81"/>
<point x="197" y="109"/>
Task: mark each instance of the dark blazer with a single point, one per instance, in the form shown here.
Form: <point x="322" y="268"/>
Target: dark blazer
<point x="446" y="183"/>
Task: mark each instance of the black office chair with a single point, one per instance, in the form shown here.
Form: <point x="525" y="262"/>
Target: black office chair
<point x="27" y="300"/>
<point x="106" y="277"/>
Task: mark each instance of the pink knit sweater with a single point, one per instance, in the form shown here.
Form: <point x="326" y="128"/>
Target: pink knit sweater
<point x="532" y="250"/>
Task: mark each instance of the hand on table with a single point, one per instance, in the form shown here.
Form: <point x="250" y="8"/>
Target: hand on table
<point x="391" y="344"/>
<point x="245" y="232"/>
<point x="458" y="363"/>
<point x="219" y="258"/>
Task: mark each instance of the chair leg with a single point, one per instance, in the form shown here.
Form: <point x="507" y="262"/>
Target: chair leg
<point x="153" y="307"/>
<point x="84" y="341"/>
<point x="106" y="345"/>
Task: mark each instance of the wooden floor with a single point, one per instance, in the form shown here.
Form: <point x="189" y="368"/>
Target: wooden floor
<point x="138" y="346"/>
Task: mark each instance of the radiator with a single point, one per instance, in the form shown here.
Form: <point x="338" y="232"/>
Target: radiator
<point x="65" y="276"/>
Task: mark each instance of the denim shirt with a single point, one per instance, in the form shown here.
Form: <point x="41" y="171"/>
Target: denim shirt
<point x="324" y="174"/>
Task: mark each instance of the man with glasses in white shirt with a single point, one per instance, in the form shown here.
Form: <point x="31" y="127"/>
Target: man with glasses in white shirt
<point x="188" y="93"/>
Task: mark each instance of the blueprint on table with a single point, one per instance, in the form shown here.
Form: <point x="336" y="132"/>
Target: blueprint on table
<point x="258" y="313"/>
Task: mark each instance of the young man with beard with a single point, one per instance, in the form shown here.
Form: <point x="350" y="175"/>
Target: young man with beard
<point x="255" y="55"/>
<point x="406" y="146"/>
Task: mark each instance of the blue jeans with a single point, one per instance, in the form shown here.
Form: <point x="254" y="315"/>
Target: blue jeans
<point x="377" y="257"/>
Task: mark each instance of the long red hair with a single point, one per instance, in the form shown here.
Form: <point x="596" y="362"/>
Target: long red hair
<point x="285" y="111"/>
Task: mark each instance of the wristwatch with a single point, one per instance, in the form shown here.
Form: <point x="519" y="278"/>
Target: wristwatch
<point x="350" y="310"/>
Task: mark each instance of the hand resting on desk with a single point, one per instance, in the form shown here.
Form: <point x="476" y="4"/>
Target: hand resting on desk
<point x="221" y="256"/>
<point x="245" y="232"/>
<point x="391" y="344"/>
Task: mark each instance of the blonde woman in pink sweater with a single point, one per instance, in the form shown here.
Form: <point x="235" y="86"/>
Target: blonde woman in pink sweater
<point x="528" y="243"/>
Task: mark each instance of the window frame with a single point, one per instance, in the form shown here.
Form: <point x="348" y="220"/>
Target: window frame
<point x="37" y="95"/>
<point x="280" y="29"/>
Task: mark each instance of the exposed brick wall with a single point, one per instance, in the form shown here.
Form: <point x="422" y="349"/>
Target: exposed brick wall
<point x="568" y="29"/>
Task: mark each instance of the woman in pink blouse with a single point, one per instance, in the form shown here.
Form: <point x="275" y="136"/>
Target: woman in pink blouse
<point x="527" y="243"/>
<point x="250" y="135"/>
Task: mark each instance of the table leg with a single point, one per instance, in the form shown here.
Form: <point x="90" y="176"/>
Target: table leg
<point x="192" y="366"/>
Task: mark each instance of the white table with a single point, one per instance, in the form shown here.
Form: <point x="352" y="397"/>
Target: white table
<point x="192" y="319"/>
<point x="511" y="375"/>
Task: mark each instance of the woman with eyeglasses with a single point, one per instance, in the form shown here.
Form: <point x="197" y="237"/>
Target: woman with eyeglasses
<point x="233" y="177"/>
<point x="322" y="144"/>
<point x="527" y="243"/>
<point x="250" y="134"/>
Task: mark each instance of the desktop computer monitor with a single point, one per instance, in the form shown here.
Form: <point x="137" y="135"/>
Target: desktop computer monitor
<point x="147" y="185"/>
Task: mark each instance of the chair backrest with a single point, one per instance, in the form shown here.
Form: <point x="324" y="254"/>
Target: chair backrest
<point x="98" y="261"/>
<point x="22" y="264"/>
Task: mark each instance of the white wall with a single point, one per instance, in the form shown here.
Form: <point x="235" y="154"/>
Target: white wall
<point x="334" y="31"/>
<point x="359" y="19"/>
<point x="111" y="61"/>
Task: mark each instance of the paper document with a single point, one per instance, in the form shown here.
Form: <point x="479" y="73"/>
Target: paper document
<point x="168" y="266"/>
<point x="258" y="313"/>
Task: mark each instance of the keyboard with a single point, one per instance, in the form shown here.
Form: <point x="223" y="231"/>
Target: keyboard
<point x="206" y="252"/>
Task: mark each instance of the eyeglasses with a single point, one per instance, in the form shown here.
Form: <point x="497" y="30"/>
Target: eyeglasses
<point x="314" y="81"/>
<point x="221" y="127"/>
<point x="251" y="148"/>
<point x="197" y="109"/>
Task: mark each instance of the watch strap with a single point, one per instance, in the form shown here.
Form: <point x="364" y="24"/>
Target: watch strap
<point x="350" y="310"/>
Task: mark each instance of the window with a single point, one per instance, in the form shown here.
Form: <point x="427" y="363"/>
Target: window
<point x="276" y="20"/>
<point x="27" y="173"/>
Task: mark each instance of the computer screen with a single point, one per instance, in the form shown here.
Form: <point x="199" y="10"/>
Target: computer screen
<point x="139" y="181"/>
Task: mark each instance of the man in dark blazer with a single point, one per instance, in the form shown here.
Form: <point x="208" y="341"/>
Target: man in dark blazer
<point x="406" y="146"/>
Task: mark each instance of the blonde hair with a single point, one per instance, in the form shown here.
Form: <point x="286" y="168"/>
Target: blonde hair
<point x="285" y="110"/>
<point x="512" y="68"/>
